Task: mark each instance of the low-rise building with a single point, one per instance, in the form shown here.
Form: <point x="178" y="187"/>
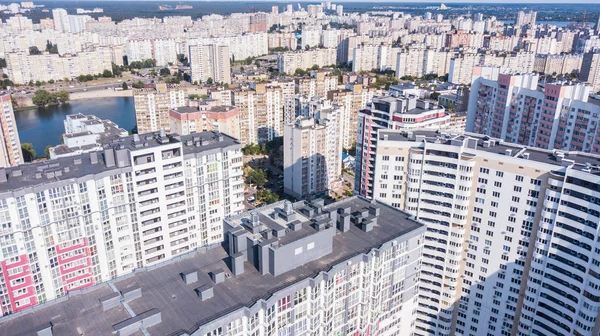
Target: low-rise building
<point x="86" y="133"/>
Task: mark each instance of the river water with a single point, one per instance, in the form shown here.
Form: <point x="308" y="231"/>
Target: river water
<point x="44" y="126"/>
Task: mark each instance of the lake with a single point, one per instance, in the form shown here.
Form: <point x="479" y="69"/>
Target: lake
<point x="44" y="126"/>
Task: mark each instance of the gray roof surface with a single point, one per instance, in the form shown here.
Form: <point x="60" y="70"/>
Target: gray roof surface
<point x="181" y="308"/>
<point x="535" y="154"/>
<point x="65" y="168"/>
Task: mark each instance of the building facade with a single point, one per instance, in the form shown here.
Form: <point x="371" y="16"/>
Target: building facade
<point x="390" y="112"/>
<point x="509" y="247"/>
<point x="312" y="153"/>
<point x="208" y="116"/>
<point x="152" y="106"/>
<point x="10" y="145"/>
<point x="341" y="274"/>
<point x="516" y="108"/>
<point x="261" y="112"/>
<point x="74" y="222"/>
<point x="210" y="61"/>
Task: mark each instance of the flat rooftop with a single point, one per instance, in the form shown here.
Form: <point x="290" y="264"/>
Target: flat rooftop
<point x="497" y="146"/>
<point x="80" y="165"/>
<point x="182" y="310"/>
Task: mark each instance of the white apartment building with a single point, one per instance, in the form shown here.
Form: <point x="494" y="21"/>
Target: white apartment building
<point x="22" y="68"/>
<point x="368" y="57"/>
<point x="10" y="145"/>
<point x="419" y="61"/>
<point x="312" y="152"/>
<point x="241" y="46"/>
<point x="61" y="20"/>
<point x="461" y="66"/>
<point x="210" y="61"/>
<point x="162" y="50"/>
<point x="311" y="36"/>
<point x="590" y="70"/>
<point x="350" y="267"/>
<point x="517" y="109"/>
<point x="288" y="62"/>
<point x="396" y="111"/>
<point x="74" y="222"/>
<point x="510" y="241"/>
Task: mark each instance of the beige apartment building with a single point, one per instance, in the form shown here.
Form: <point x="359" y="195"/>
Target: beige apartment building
<point x="206" y="116"/>
<point x="261" y="112"/>
<point x="152" y="106"/>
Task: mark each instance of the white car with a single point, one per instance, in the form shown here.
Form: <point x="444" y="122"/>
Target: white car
<point x="251" y="199"/>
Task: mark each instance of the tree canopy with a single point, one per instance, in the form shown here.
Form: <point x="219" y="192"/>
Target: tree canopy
<point x="29" y="153"/>
<point x="257" y="177"/>
<point x="43" y="97"/>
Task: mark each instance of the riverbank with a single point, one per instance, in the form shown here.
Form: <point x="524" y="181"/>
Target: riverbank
<point x="44" y="126"/>
<point x="81" y="95"/>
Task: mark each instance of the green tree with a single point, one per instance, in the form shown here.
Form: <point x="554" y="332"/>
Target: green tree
<point x="2" y="63"/>
<point x="209" y="81"/>
<point x="28" y="152"/>
<point x="89" y="77"/>
<point x="266" y="196"/>
<point x="42" y="98"/>
<point x="138" y="85"/>
<point x="315" y="67"/>
<point x="194" y="96"/>
<point x="256" y="177"/>
<point x="107" y="73"/>
<point x="14" y="102"/>
<point x="62" y="96"/>
<point x="38" y="83"/>
<point x="165" y="72"/>
<point x="34" y="51"/>
<point x="51" y="48"/>
<point x="47" y="152"/>
<point x="352" y="149"/>
<point x="434" y="95"/>
<point x="125" y="86"/>
<point x="116" y="70"/>
<point x="299" y="72"/>
<point x="183" y="60"/>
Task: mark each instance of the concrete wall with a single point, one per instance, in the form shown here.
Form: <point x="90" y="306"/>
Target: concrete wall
<point x="286" y="258"/>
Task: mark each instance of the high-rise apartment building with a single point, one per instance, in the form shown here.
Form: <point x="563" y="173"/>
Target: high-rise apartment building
<point x="390" y="112"/>
<point x="210" y="61"/>
<point x="353" y="98"/>
<point x="23" y="68"/>
<point x="10" y="145"/>
<point x="312" y="153"/>
<point x="206" y="116"/>
<point x="525" y="19"/>
<point x="288" y="62"/>
<point x="367" y="57"/>
<point x="162" y="50"/>
<point x="590" y="70"/>
<point x="152" y="106"/>
<point x="261" y="112"/>
<point x="347" y="267"/>
<point x="61" y="20"/>
<point x="74" y="222"/>
<point x="318" y="83"/>
<point x="517" y="109"/>
<point x="510" y="241"/>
